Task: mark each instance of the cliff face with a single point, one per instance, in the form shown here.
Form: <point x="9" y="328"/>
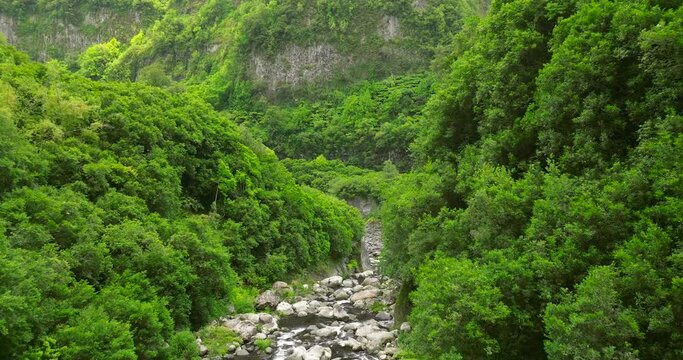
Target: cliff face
<point x="46" y="38"/>
<point x="276" y="47"/>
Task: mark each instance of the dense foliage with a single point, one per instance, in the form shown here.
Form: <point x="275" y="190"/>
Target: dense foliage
<point x="546" y="222"/>
<point x="128" y="214"/>
<point x="541" y="217"/>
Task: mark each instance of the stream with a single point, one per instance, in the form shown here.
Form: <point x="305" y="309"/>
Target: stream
<point x="340" y="317"/>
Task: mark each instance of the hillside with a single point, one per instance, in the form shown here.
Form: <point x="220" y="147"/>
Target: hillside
<point x="238" y="49"/>
<point x="518" y="163"/>
<point x="130" y="214"/>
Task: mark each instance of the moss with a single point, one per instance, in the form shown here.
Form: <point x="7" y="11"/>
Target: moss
<point x="217" y="339"/>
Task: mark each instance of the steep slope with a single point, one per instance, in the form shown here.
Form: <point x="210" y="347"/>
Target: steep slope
<point x="279" y="49"/>
<point x="128" y="213"/>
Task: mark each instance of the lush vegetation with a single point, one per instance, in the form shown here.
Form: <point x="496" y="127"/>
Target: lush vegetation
<point x="546" y="221"/>
<point x="537" y="216"/>
<point x="129" y="214"/>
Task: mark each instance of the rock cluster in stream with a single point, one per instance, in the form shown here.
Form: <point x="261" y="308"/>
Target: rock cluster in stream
<point x="335" y="321"/>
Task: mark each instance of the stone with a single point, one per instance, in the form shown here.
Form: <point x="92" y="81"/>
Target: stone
<point x="203" y="350"/>
<point x="377" y="339"/>
<point x="314" y="304"/>
<point x="325" y="332"/>
<point x="383" y="316"/>
<point x="260" y="336"/>
<point x="348" y="283"/>
<point x="364" y="295"/>
<point x="301" y="306"/>
<point x="366" y="330"/>
<point x="267" y="299"/>
<point x="297" y="354"/>
<point x="318" y="352"/>
<point x="341" y="294"/>
<point x="338" y="312"/>
<point x="269" y="350"/>
<point x="333" y="281"/>
<point x="285" y="308"/>
<point x="351" y="343"/>
<point x="280" y="285"/>
<point x="326" y="312"/>
<point x="352" y="326"/>
<point x="242" y="352"/>
<point x="370" y="281"/>
<point x="266" y="318"/>
<point x="406" y="327"/>
<point x="253" y="318"/>
<point x="245" y="330"/>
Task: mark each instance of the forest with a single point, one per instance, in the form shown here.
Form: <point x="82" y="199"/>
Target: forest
<point x="526" y="156"/>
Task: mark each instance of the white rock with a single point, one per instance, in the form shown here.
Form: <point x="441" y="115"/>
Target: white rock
<point x="285" y="308"/>
<point x="325" y="332"/>
<point x="348" y="283"/>
<point x="326" y="312"/>
<point x="341" y="294"/>
<point x="203" y="350"/>
<point x="377" y="339"/>
<point x="301" y="306"/>
<point x="406" y="327"/>
<point x="365" y="294"/>
<point x="314" y="304"/>
<point x="280" y="285"/>
<point x="383" y="316"/>
<point x="253" y="318"/>
<point x="260" y="336"/>
<point x="351" y="343"/>
<point x="242" y="352"/>
<point x="245" y="330"/>
<point x="297" y="354"/>
<point x="332" y="281"/>
<point x="266" y="318"/>
<point x="339" y="313"/>
<point x="318" y="352"/>
<point x="370" y="281"/>
<point x="352" y="326"/>
<point x="366" y="330"/>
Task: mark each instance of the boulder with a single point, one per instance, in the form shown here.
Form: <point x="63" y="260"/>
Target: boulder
<point x="341" y="294"/>
<point x="366" y="330"/>
<point x="245" y="330"/>
<point x="241" y="352"/>
<point x="326" y="312"/>
<point x="333" y="281"/>
<point x="285" y="308"/>
<point x="383" y="316"/>
<point x="365" y="295"/>
<point x="351" y="343"/>
<point x="265" y="318"/>
<point x="370" y="281"/>
<point x="318" y="352"/>
<point x="203" y="350"/>
<point x="406" y="327"/>
<point x="325" y="332"/>
<point x="348" y="283"/>
<point x="377" y="339"/>
<point x="280" y="285"/>
<point x="297" y="354"/>
<point x="301" y="306"/>
<point x="339" y="313"/>
<point x="267" y="299"/>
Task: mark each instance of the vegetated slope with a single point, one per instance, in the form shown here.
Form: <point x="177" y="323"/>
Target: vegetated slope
<point x="236" y="49"/>
<point x="63" y="29"/>
<point x="546" y="221"/>
<point x="128" y="214"/>
<point x="365" y="126"/>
